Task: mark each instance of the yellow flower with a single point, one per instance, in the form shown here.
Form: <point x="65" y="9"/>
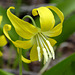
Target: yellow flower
<point x="2" y="38"/>
<point x="38" y="38"/>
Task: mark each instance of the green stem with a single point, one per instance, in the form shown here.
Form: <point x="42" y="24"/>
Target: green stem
<point x="20" y="61"/>
<point x="27" y="16"/>
<point x="18" y="4"/>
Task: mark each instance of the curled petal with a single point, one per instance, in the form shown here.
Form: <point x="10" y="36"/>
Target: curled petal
<point x="23" y="28"/>
<point x="58" y="28"/>
<point x="34" y="53"/>
<point x="3" y="40"/>
<point x="23" y="58"/>
<point x="1" y="53"/>
<point x="18" y="43"/>
<point x="58" y="12"/>
<point x="47" y="20"/>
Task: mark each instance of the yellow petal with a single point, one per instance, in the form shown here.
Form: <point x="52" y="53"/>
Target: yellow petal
<point x="18" y="43"/>
<point x="0" y="19"/>
<point x="58" y="28"/>
<point x="23" y="28"/>
<point x="34" y="53"/>
<point x="23" y="58"/>
<point x="3" y="40"/>
<point x="1" y="53"/>
<point x="55" y="31"/>
<point x="47" y="20"/>
<point x="52" y="41"/>
<point x="58" y="12"/>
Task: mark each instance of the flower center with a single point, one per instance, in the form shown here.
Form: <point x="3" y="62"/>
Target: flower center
<point x="44" y="44"/>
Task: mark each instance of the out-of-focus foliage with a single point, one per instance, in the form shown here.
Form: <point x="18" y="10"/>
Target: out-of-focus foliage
<point x="65" y="67"/>
<point x="2" y="72"/>
<point x="55" y="1"/>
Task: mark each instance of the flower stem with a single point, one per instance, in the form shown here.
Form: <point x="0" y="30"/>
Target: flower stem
<point x="27" y="16"/>
<point x="20" y="61"/>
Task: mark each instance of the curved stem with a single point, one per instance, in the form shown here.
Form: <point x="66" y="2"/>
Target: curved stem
<point x="44" y="68"/>
<point x="27" y="16"/>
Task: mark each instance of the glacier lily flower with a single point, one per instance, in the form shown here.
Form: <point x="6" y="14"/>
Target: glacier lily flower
<point x="2" y="38"/>
<point x="37" y="38"/>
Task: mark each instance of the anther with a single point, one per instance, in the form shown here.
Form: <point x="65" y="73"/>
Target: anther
<point x="38" y="50"/>
<point x="51" y="48"/>
<point x="39" y="56"/>
<point x="45" y="55"/>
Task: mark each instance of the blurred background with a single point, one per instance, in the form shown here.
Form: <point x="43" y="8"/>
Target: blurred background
<point x="65" y="42"/>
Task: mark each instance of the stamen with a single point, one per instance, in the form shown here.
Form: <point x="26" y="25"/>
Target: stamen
<point x="45" y="55"/>
<point x="44" y="50"/>
<point x="50" y="47"/>
<point x="38" y="49"/>
<point x="50" y="56"/>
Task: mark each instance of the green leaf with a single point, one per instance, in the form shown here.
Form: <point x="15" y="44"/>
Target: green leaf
<point x="2" y="72"/>
<point x="65" y="67"/>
